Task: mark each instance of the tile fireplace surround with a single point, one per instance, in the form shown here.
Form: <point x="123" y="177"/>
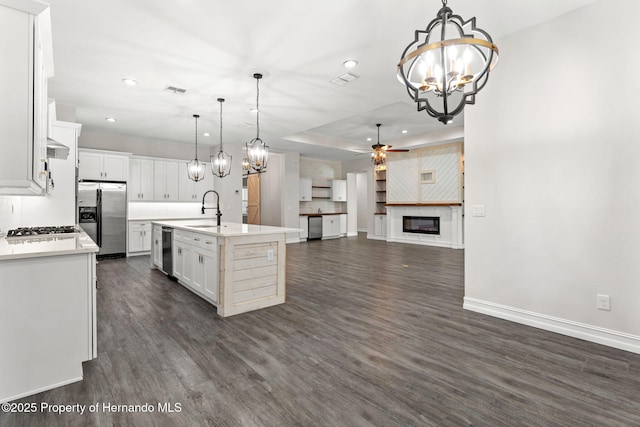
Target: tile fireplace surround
<point x="451" y="230"/>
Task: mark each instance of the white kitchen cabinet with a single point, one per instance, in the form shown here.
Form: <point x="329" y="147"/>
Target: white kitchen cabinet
<point x="139" y="237"/>
<point x="191" y="191"/>
<point x="102" y="166"/>
<point x="343" y="224"/>
<point x="330" y="226"/>
<point x="166" y="180"/>
<point x="339" y="190"/>
<point x="157" y="246"/>
<point x="195" y="263"/>
<point x="305" y="189"/>
<point x="205" y="273"/>
<point x="380" y="225"/>
<point x="26" y="50"/>
<point x="304" y="226"/>
<point x="140" y="182"/>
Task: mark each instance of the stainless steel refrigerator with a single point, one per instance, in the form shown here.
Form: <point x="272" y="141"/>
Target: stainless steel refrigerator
<point x="102" y="210"/>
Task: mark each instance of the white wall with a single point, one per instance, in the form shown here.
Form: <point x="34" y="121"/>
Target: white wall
<point x="149" y="147"/>
<point x="551" y="150"/>
<point x="361" y="189"/>
<point x="290" y="195"/>
<point x="271" y="192"/>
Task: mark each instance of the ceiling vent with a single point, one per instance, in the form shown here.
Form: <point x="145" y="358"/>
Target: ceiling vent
<point x="343" y="79"/>
<point x="174" y="89"/>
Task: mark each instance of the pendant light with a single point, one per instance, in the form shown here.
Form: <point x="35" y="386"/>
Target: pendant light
<point x="196" y="168"/>
<point x="379" y="155"/>
<point x="221" y="161"/>
<point x="447" y="64"/>
<point x="257" y="150"/>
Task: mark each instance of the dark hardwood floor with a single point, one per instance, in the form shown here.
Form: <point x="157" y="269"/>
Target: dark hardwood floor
<point x="372" y="333"/>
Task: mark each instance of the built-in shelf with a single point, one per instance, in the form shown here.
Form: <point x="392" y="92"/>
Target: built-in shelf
<point x="380" y="185"/>
<point x="314" y="197"/>
<point x="319" y="186"/>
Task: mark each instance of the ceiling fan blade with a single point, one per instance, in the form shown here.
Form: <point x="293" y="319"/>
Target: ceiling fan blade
<point x="397" y="151"/>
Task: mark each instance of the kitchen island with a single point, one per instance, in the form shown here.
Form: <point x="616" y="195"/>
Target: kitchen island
<point x="236" y="267"/>
<point x="47" y="310"/>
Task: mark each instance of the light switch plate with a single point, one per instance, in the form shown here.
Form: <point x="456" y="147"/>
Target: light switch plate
<point x="478" y="210"/>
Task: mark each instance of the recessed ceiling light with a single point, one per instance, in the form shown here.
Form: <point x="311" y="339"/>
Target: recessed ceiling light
<point x="368" y="139"/>
<point x="207" y="134"/>
<point x="129" y="82"/>
<point x="404" y="131"/>
<point x="110" y="119"/>
<point x="350" y="63"/>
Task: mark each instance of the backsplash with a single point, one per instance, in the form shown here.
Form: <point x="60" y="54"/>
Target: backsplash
<point x="10" y="213"/>
<point x="321" y="172"/>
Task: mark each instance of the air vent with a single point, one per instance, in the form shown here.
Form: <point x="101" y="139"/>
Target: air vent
<point x="174" y="89"/>
<point x="343" y="79"/>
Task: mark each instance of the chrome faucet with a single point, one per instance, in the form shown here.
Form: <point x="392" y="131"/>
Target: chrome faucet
<point x="218" y="213"/>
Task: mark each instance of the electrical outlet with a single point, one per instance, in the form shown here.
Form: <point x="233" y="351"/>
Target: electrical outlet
<point x="270" y="255"/>
<point x="478" y="210"/>
<point x="603" y="302"/>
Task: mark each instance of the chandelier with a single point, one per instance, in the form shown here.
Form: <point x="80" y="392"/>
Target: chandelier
<point x="379" y="154"/>
<point x="257" y="150"/>
<point x="221" y="161"/>
<point x="447" y="64"/>
<point x="196" y="168"/>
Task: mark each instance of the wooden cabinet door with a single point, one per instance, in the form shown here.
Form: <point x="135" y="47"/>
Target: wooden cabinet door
<point x="210" y="266"/>
<point x="159" y="180"/>
<point x="146" y="179"/>
<point x="133" y="183"/>
<point x="305" y="190"/>
<point x="146" y="237"/>
<point x="171" y="184"/>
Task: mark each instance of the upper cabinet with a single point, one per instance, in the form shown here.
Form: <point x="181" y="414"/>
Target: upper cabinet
<point x="339" y="190"/>
<point x="191" y="191"/>
<point x="140" y="183"/>
<point x="102" y="166"/>
<point x="165" y="182"/>
<point x="25" y="31"/>
<point x="305" y="189"/>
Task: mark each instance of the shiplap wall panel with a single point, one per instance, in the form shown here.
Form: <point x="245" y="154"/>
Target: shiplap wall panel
<point x="402" y="178"/>
<point x="445" y="161"/>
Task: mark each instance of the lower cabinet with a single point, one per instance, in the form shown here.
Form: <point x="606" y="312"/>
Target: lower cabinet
<point x="139" y="237"/>
<point x="380" y="226"/>
<point x="343" y="224"/>
<point x="157" y="246"/>
<point x="330" y="226"/>
<point x="304" y="226"/>
<point x="195" y="263"/>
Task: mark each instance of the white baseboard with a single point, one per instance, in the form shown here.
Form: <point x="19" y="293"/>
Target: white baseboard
<point x="41" y="389"/>
<point x="293" y="240"/>
<point x="620" y="340"/>
<point x="374" y="237"/>
<point x="352" y="234"/>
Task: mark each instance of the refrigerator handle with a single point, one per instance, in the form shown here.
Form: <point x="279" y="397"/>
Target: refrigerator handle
<point x="99" y="215"/>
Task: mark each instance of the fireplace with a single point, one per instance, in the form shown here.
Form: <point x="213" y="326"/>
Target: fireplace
<point x="421" y="224"/>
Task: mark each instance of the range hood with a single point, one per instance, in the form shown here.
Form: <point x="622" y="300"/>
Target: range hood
<point x="56" y="150"/>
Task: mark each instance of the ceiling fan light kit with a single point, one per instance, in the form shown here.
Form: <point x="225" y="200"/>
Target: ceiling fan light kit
<point x="221" y="161"/>
<point x="196" y="168"/>
<point x="447" y="64"/>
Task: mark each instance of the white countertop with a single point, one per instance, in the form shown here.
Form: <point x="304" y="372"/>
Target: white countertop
<point x="52" y="245"/>
<point x="227" y="229"/>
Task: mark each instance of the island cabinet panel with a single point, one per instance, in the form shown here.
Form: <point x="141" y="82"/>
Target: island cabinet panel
<point x="252" y="273"/>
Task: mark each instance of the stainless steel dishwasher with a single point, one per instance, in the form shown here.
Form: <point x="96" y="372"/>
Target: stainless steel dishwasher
<point x="167" y="251"/>
<point x="315" y="227"/>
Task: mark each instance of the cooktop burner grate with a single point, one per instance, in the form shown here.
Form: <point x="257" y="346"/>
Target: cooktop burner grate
<point x="42" y="231"/>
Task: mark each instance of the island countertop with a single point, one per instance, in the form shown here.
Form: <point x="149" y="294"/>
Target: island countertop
<point x="227" y="229"/>
<point x="50" y="245"/>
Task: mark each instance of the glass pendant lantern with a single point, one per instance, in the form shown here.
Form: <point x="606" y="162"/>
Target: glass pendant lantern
<point x="257" y="150"/>
<point x="221" y="161"/>
<point x="196" y="168"/>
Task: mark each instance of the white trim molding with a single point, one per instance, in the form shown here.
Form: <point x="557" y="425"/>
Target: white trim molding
<point x="620" y="340"/>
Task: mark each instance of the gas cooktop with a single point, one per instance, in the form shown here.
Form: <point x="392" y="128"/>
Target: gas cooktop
<point x="42" y="231"/>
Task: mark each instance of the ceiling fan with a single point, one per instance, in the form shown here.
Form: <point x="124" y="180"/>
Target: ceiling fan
<point x="377" y="147"/>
